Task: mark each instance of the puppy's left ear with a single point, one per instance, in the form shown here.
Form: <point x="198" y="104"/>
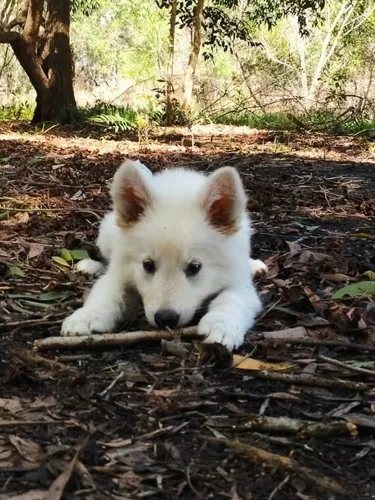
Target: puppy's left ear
<point x="224" y="200"/>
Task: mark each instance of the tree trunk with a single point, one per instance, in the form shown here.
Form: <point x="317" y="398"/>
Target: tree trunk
<point x="169" y="85"/>
<point x="194" y="54"/>
<point x="57" y="65"/>
<point x="47" y="61"/>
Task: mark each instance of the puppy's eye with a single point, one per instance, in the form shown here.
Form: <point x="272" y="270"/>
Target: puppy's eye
<point x="193" y="268"/>
<point x="149" y="266"/>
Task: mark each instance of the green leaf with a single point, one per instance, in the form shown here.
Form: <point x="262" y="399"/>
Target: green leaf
<point x="66" y="255"/>
<point x="16" y="271"/>
<point x="356" y="289"/>
<point x="79" y="254"/>
<point x="362" y="364"/>
<point x="369" y="274"/>
<point x="60" y="261"/>
<point x="36" y="160"/>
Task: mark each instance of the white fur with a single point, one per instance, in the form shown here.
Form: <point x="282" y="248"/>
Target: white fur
<point x="175" y="228"/>
<point x="90" y="267"/>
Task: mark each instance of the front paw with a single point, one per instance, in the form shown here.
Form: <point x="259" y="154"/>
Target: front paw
<point x="220" y="328"/>
<point x="86" y="321"/>
<point x="257" y="268"/>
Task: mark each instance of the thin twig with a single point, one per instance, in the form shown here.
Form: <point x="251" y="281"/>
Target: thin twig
<point x="279" y="487"/>
<point x="323" y="343"/>
<point x="112" y="384"/>
<point x="272" y="460"/>
<point x="355" y="369"/>
<point x="310" y="381"/>
<point x="303" y="428"/>
<point x="30" y="322"/>
<point x="31" y="357"/>
<point x="64" y="209"/>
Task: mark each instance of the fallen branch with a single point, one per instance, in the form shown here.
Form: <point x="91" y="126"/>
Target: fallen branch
<point x="272" y="460"/>
<point x="114" y="339"/>
<point x="311" y="381"/>
<point x="303" y="428"/>
<point x="33" y="358"/>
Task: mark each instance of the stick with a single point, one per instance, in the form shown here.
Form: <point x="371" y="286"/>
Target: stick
<point x="303" y="428"/>
<point x="65" y="209"/>
<point x="114" y="339"/>
<point x="272" y="460"/>
<point x="33" y="358"/>
<point x="310" y="381"/>
<point x="317" y="343"/>
<point x="355" y="369"/>
<point x="11" y="423"/>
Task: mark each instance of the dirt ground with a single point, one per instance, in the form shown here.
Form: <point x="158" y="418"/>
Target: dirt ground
<point x="173" y="422"/>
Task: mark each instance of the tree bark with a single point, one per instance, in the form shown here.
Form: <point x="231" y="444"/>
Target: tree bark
<point x="194" y="54"/>
<point x="57" y="64"/>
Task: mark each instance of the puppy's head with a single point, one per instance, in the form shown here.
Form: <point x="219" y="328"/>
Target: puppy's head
<point x="184" y="235"/>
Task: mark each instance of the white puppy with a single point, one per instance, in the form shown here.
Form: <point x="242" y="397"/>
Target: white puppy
<point x="182" y="240"/>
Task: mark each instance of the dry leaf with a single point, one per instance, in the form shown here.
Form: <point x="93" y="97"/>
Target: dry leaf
<point x="22" y="217"/>
<point x="243" y="363"/>
<point x="28" y="450"/>
<point x="282" y="395"/>
<point x="338" y="277"/>
<point x="295" y="248"/>
<point x="12" y="405"/>
<point x="299" y="332"/>
<point x="35" y="249"/>
<point x="117" y="444"/>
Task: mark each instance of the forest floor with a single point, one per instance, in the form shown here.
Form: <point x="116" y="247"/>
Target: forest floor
<point x="153" y="422"/>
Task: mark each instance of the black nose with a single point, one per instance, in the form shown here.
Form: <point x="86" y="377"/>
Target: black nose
<point x="166" y="317"/>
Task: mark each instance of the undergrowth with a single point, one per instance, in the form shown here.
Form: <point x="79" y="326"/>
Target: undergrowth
<point x="17" y="111"/>
<point x="315" y="121"/>
<point x="122" y="119"/>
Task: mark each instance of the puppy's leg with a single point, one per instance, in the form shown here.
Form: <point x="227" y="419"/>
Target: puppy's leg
<point x="103" y="309"/>
<point x="230" y="316"/>
<point x="257" y="267"/>
<point x="108" y="232"/>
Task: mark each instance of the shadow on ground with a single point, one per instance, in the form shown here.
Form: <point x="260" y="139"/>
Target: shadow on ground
<point x="152" y="433"/>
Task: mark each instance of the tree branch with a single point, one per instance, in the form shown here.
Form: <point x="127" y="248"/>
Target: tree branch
<point x="9" y="37"/>
<point x="33" y="21"/>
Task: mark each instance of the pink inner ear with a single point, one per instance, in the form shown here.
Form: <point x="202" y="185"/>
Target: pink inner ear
<point x="221" y="213"/>
<point x="135" y="204"/>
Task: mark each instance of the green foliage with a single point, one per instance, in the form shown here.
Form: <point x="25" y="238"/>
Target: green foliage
<point x="17" y="111"/>
<point x="316" y="120"/>
<point x="120" y="39"/>
<point x="269" y="12"/>
<point x="356" y="290"/>
<point x="122" y="119"/>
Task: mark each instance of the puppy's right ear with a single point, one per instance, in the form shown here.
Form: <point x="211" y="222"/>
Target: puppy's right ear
<point x="130" y="193"/>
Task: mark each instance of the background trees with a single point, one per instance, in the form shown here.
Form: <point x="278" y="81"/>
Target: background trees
<point x="208" y="58"/>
